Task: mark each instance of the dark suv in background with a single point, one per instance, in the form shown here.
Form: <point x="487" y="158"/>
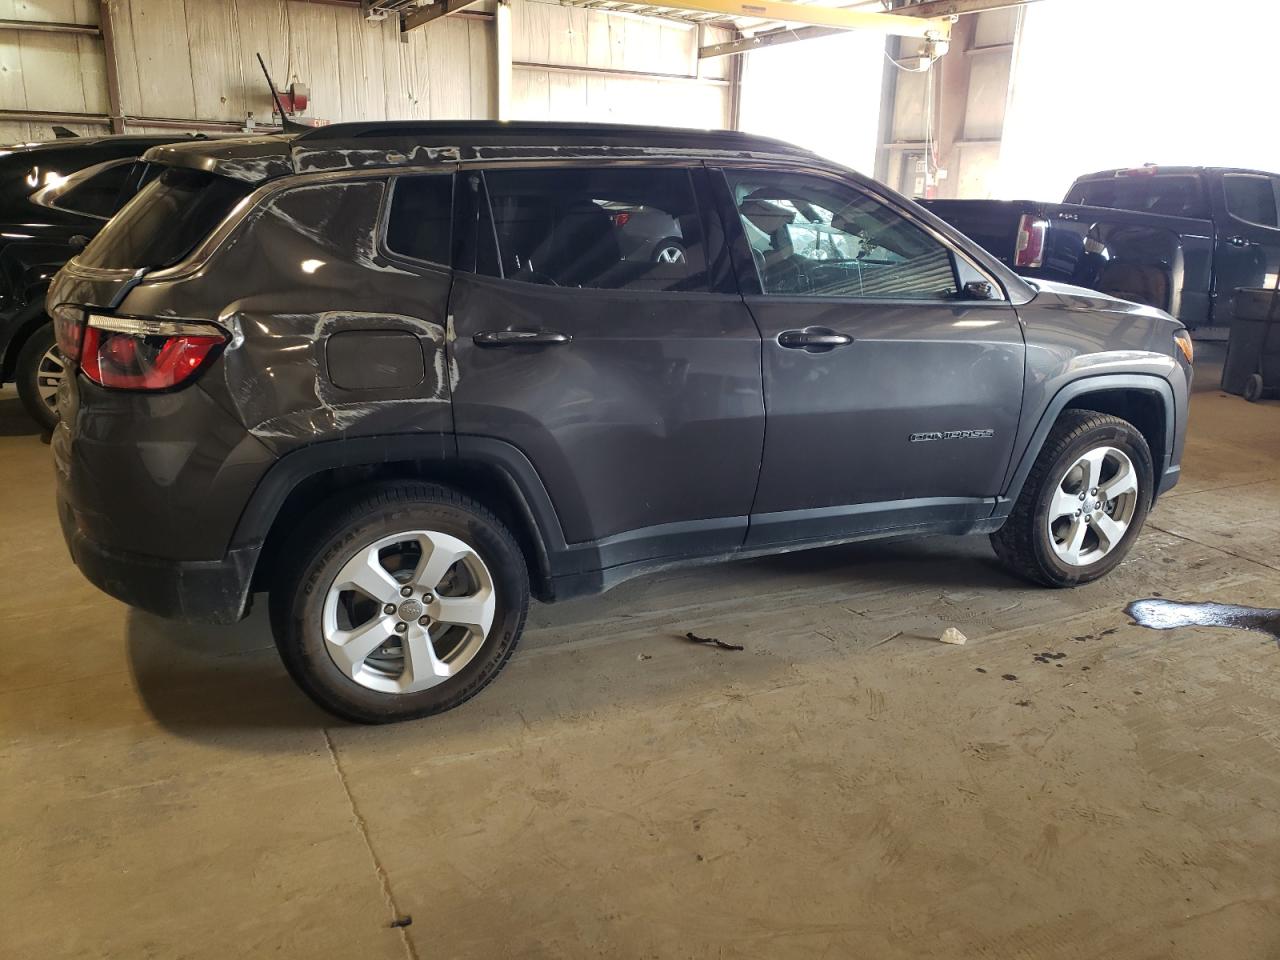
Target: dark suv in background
<point x="403" y="375"/>
<point x="54" y="197"/>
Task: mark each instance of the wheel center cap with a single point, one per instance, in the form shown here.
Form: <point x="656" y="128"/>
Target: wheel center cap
<point x="411" y="610"/>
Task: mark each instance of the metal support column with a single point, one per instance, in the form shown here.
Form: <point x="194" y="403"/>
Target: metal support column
<point x="502" y="58"/>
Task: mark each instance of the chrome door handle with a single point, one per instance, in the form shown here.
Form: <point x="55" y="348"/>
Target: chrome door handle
<point x="515" y="338"/>
<point x="813" y="339"/>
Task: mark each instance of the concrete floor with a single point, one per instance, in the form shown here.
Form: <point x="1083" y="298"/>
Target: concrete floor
<point x="620" y="792"/>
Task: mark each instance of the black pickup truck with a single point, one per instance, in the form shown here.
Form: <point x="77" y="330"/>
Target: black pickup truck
<point x="1183" y="239"/>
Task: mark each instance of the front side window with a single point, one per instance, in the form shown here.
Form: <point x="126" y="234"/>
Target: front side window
<point x="421" y="216"/>
<point x="607" y="228"/>
<point x="811" y="236"/>
<point x="1252" y="198"/>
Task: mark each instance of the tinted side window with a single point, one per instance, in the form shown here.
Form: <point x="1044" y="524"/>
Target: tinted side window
<point x="1251" y="198"/>
<point x="165" y="221"/>
<point x="616" y="228"/>
<point x="816" y="237"/>
<point x="1172" y="196"/>
<point x="98" y="196"/>
<point x="421" y="217"/>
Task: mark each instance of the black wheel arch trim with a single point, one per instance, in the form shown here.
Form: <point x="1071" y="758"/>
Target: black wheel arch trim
<point x="529" y="496"/>
<point x="1146" y="382"/>
<point x="19" y="326"/>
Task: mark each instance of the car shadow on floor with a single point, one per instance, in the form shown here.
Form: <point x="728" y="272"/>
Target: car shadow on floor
<point x="226" y="683"/>
<point x="14" y="421"/>
<point x="211" y="682"/>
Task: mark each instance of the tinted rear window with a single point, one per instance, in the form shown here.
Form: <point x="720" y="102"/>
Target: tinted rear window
<point x="165" y="221"/>
<point x="99" y="195"/>
<point x="625" y="228"/>
<point x="421" y="217"/>
<point x="1252" y="198"/>
<point x="1172" y="196"/>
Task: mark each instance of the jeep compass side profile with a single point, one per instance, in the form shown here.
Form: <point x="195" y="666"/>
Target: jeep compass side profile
<point x="401" y="376"/>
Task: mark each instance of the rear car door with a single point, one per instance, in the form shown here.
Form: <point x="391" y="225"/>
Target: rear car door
<point x="1247" y="242"/>
<point x="891" y="402"/>
<point x="599" y="343"/>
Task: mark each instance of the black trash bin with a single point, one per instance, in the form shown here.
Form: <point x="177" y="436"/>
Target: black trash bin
<point x="1252" y="366"/>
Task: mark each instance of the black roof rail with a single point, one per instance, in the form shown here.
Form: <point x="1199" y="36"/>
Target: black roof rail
<point x="492" y="132"/>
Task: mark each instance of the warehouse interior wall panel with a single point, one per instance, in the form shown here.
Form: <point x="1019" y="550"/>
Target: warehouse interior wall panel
<point x="197" y="61"/>
<point x="551" y="34"/>
<point x="51" y="71"/>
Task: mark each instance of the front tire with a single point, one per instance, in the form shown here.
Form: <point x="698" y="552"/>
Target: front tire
<point x="1083" y="503"/>
<point x="39" y="371"/>
<point x="408" y="600"/>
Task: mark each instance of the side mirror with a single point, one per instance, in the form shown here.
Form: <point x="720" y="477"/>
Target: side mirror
<point x="977" y="290"/>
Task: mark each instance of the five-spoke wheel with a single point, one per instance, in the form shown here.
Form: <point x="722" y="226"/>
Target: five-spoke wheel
<point x="1083" y="502"/>
<point x="408" y="611"/>
<point x="401" y="602"/>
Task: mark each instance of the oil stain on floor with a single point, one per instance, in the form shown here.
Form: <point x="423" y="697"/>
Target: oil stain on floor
<point x="1159" y="614"/>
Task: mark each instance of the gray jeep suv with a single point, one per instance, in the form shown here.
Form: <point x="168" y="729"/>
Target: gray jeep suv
<point x="401" y="376"/>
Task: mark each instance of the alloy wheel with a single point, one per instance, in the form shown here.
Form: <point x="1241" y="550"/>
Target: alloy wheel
<point x="50" y="372"/>
<point x="408" y="611"/>
<point x="1092" y="506"/>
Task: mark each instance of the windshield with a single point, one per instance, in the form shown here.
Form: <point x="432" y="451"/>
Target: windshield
<point x="165" y="221"/>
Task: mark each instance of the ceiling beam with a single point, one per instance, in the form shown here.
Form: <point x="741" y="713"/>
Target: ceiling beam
<point x="956" y="8"/>
<point x="424" y="15"/>
<point x="926" y="9"/>
<point x="842" y="18"/>
<point x="761" y="40"/>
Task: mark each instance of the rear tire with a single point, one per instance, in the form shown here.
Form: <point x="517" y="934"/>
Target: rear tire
<point x="1055" y="536"/>
<point x="1253" y="388"/>
<point x="38" y="371"/>
<point x="323" y="622"/>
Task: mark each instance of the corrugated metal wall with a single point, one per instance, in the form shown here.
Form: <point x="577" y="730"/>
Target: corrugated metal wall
<point x="195" y="61"/>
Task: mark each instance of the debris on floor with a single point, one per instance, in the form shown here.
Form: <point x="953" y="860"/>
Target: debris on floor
<point x="952" y="635"/>
<point x="644" y="656"/>
<point x="881" y="642"/>
<point x="711" y="642"/>
<point x="404" y="921"/>
<point x="1047" y="656"/>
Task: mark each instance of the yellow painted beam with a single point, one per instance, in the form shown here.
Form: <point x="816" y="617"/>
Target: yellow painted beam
<point x="839" y="17"/>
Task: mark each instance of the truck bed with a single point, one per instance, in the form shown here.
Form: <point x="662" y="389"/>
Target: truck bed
<point x="1165" y="262"/>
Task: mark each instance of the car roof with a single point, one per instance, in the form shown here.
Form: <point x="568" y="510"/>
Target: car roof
<point x="1160" y="169"/>
<point x="89" y="143"/>
<point x="347" y="146"/>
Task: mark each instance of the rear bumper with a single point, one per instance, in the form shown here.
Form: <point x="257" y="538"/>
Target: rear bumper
<point x="201" y="591"/>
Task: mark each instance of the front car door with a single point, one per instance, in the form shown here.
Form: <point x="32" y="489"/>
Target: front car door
<point x="891" y="402"/>
<point x="598" y="334"/>
<point x="1247" y="249"/>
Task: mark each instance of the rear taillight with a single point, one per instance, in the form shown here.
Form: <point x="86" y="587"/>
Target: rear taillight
<point x="68" y="330"/>
<point x="1029" y="250"/>
<point x="128" y="353"/>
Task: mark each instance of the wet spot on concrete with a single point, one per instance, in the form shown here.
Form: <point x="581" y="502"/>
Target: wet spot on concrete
<point x="1008" y="676"/>
<point x="1160" y="614"/>
<point x="1046" y="657"/>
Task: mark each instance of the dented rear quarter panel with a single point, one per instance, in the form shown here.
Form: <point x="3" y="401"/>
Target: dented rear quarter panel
<point x="308" y="265"/>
